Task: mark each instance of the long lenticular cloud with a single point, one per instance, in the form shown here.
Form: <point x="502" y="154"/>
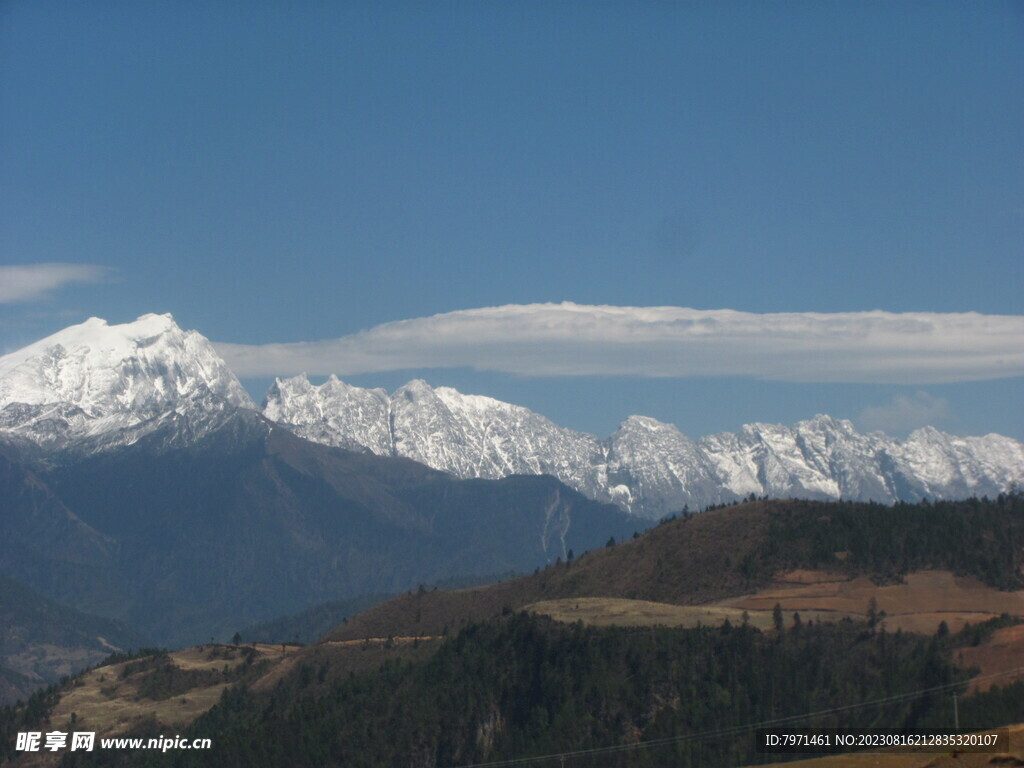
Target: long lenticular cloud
<point x="576" y="340"/>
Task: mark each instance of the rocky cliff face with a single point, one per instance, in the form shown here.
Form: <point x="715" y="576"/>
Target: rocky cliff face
<point x="647" y="467"/>
<point x="94" y="386"/>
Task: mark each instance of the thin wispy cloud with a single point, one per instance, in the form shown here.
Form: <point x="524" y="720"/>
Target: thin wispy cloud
<point x="20" y="283"/>
<point x="575" y="340"/>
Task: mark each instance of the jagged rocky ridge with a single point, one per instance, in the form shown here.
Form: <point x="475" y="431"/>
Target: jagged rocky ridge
<point x="138" y="482"/>
<point x="93" y="387"/>
<point x="647" y="467"/>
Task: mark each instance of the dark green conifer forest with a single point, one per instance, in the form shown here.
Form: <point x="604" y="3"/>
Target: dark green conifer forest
<point x="527" y="686"/>
<point x="516" y="685"/>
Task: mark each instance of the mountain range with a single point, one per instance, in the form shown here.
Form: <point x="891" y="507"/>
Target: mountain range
<point x="139" y="483"/>
<point x="647" y="467"/>
<point x="93" y="387"/>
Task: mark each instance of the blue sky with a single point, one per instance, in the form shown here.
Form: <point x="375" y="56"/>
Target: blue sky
<point x="274" y="172"/>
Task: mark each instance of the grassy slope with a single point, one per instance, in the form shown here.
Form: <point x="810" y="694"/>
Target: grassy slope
<point x="711" y="557"/>
<point x="734" y="551"/>
<point x="681" y="562"/>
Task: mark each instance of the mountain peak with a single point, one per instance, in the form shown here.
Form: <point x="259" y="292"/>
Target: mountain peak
<point x="153" y="321"/>
<point x="93" y="379"/>
<point x="646" y="423"/>
<point x="299" y="382"/>
<point x="414" y="391"/>
<point x="824" y="421"/>
<point x="647" y="466"/>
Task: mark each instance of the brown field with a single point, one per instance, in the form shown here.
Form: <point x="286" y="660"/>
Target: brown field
<point x="613" y="611"/>
<point x="1003" y="651"/>
<point x="104" y="703"/>
<point x="920" y="604"/>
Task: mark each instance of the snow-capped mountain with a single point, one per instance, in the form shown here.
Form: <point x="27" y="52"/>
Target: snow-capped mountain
<point x="95" y="385"/>
<point x="474" y="436"/>
<point x="823" y="458"/>
<point x="647" y="467"/>
<point x="466" y="435"/>
<point x="334" y="413"/>
<point x="654" y="469"/>
<point x="932" y="463"/>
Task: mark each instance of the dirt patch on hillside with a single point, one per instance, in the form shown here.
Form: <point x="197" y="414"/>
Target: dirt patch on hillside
<point x="613" y="611"/>
<point x="802" y="576"/>
<point x="112" y="699"/>
<point x="1002" y="652"/>
<point x="920" y="604"/>
<point x="109" y="706"/>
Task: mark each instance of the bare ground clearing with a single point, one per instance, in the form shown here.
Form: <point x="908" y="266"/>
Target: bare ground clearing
<point x="920" y="604"/>
<point x="1003" y="651"/>
<point x="925" y="599"/>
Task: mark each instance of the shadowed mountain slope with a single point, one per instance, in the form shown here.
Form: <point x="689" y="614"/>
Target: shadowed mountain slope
<point x="250" y="522"/>
<point x="42" y="641"/>
<point x="736" y="550"/>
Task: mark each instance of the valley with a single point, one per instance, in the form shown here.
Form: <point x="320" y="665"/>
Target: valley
<point x="860" y="615"/>
<point x="141" y="485"/>
<point x="509" y="384"/>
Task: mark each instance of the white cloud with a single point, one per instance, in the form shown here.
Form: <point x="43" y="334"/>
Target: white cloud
<point x="573" y="340"/>
<point x="31" y="282"/>
<point x="904" y="413"/>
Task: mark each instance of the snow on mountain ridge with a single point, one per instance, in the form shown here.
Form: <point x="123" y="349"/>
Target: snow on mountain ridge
<point x="95" y="379"/>
<point x="660" y="467"/>
<point x="475" y="436"/>
<point x="334" y="413"/>
<point x="94" y="386"/>
<point x="651" y="468"/>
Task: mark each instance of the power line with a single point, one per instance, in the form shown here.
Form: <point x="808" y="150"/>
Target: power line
<point x="736" y="729"/>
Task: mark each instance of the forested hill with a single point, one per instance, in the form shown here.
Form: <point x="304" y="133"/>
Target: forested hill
<point x="735" y="550"/>
<point x="527" y="686"/>
<point x="480" y="680"/>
